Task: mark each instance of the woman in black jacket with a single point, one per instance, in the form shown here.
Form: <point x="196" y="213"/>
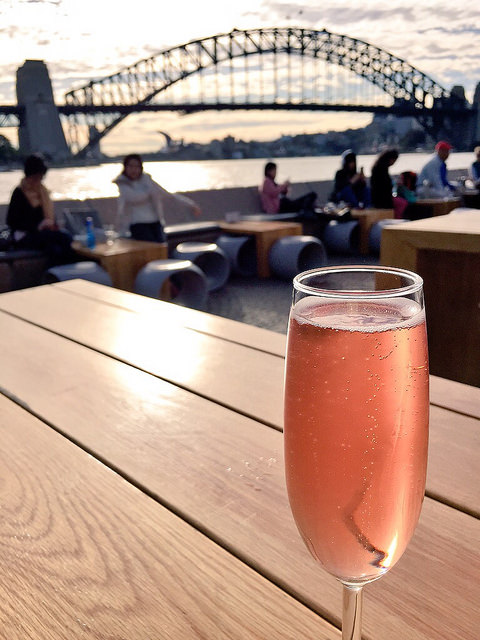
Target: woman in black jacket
<point x="350" y="185"/>
<point x="380" y="180"/>
<point x="31" y="219"/>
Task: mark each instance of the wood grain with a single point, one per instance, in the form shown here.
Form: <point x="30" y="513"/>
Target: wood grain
<point x="452" y="482"/>
<point x="86" y="555"/>
<point x="444" y="393"/>
<point x="230" y="330"/>
<point x="455" y="396"/>
<point x="209" y="366"/>
<point x="224" y="473"/>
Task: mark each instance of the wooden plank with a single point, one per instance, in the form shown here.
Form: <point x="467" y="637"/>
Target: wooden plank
<point x="204" y="364"/>
<point x="453" y="474"/>
<point x="246" y="334"/>
<point x="450" y="482"/>
<point x="224" y="474"/>
<point x="453" y="232"/>
<point x="443" y="393"/>
<point x="455" y="396"/>
<point x="84" y="554"/>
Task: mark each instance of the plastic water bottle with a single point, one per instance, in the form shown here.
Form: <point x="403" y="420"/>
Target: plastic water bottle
<point x="90" y="234"/>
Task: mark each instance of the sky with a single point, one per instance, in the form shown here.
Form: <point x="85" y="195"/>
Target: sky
<point x="90" y="39"/>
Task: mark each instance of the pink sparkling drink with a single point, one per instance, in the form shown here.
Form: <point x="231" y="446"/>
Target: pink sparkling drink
<point x="356" y="429"/>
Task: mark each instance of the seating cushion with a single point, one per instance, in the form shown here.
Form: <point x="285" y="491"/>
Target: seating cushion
<point x="185" y="228"/>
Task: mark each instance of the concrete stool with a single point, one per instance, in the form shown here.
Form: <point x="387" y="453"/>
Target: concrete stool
<point x="188" y="284"/>
<point x="209" y="258"/>
<point x="240" y="250"/>
<point x="375" y="235"/>
<point x="341" y="237"/>
<point x="293" y="254"/>
<point x="84" y="270"/>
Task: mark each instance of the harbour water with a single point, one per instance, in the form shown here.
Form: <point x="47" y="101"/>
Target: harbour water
<point x="80" y="183"/>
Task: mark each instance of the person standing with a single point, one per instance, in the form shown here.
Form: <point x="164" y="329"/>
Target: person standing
<point x="381" y="185"/>
<point x="433" y="179"/>
<point x="31" y="219"/>
<point x="140" y="203"/>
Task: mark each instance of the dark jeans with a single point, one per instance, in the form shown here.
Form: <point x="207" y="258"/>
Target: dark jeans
<point x="354" y="196"/>
<point x="56" y="245"/>
<point x="303" y="204"/>
<point x="148" y="231"/>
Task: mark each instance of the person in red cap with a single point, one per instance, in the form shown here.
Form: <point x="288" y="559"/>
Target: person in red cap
<point x="433" y="177"/>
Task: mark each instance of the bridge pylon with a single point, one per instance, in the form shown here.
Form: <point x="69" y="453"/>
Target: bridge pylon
<point x="40" y="130"/>
<point x="476" y="125"/>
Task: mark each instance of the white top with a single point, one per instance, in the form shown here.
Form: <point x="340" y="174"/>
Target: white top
<point x="140" y="201"/>
<point x="431" y="173"/>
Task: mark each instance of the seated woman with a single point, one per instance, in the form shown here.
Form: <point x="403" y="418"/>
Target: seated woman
<point x="274" y="198"/>
<point x="381" y="185"/>
<point x="350" y="185"/>
<point x="406" y="186"/>
<point x="406" y="195"/>
<point x="31" y="219"/>
<point x="140" y="205"/>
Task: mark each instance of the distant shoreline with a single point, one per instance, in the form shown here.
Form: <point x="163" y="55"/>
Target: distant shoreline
<point x="95" y="181"/>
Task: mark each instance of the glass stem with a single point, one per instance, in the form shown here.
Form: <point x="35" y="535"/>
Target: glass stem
<point x="352" y="613"/>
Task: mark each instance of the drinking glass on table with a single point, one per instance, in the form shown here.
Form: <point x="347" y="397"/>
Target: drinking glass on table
<point x="356" y="420"/>
<point x="110" y="233"/>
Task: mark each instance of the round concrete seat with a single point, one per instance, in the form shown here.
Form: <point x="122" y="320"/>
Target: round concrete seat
<point x="84" y="270"/>
<point x="209" y="258"/>
<point x="179" y="281"/>
<point x="341" y="237"/>
<point x="375" y="235"/>
<point x="240" y="250"/>
<point x="293" y="254"/>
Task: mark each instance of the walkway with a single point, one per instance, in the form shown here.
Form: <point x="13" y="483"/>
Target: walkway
<point x="264" y="302"/>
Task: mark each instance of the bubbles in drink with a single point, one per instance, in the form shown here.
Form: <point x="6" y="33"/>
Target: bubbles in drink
<point x="358" y="315"/>
<point x="356" y="425"/>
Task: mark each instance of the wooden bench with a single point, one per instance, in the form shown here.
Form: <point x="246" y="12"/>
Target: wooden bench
<point x="21" y="268"/>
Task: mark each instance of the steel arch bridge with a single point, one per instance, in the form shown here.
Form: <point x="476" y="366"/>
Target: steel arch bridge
<point x="272" y="82"/>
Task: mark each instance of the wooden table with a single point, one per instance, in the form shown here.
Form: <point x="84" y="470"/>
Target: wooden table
<point x="471" y="198"/>
<point x="124" y="258"/>
<point x="142" y="486"/>
<point x="265" y="233"/>
<point x="445" y="251"/>
<point x="428" y="207"/>
<point x="366" y="219"/>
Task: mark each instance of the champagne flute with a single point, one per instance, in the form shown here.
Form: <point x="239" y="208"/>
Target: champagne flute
<point x="356" y="421"/>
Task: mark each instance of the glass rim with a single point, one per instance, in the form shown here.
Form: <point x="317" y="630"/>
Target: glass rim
<point x="415" y="285"/>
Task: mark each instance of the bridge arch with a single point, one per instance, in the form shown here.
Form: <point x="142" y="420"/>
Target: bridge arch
<point x="135" y="87"/>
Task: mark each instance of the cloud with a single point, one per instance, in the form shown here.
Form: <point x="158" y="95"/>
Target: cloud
<point x="90" y="39"/>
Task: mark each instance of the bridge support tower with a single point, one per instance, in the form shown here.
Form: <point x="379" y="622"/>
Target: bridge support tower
<point x="476" y="127"/>
<point x="40" y="130"/>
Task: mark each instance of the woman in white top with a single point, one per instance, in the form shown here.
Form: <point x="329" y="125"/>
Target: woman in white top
<point x="140" y="203"/>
